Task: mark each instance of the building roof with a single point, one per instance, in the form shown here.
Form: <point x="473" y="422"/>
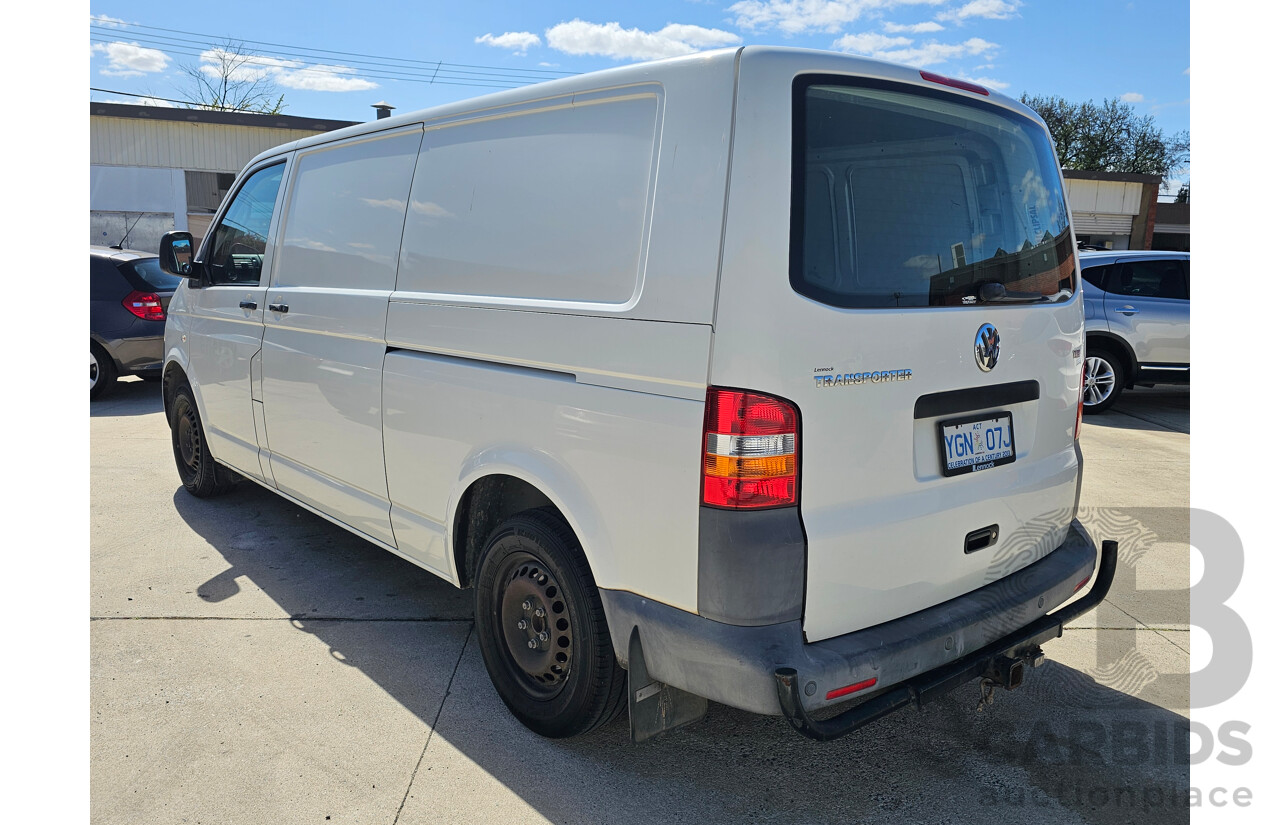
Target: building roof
<point x="127" y="110"/>
<point x="1119" y="177"/>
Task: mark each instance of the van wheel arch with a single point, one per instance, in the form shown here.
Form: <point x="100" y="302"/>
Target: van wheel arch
<point x="174" y="376"/>
<point x="487" y="503"/>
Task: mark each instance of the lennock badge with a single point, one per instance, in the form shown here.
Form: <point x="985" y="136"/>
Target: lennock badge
<point x="986" y="347"/>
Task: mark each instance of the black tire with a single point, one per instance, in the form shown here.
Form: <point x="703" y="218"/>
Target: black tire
<point x="571" y="683"/>
<point x="102" y="371"/>
<point x="1104" y="366"/>
<point x="201" y="475"/>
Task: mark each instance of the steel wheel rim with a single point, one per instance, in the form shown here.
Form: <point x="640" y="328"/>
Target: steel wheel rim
<point x="534" y="624"/>
<point x="94" y="370"/>
<point x="1099" y="381"/>
<point x="190" y="447"/>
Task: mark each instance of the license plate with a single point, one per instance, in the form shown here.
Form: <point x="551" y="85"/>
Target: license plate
<point x="972" y="444"/>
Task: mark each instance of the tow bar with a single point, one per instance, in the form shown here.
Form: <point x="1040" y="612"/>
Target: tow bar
<point x="1002" y="662"/>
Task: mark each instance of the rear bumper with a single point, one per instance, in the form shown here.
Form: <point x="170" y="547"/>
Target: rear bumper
<point x="736" y="665"/>
<point x="143" y="353"/>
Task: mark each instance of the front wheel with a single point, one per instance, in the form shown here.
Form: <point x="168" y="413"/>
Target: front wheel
<point x="201" y="475"/>
<point x="542" y="629"/>
<point x="1104" y="379"/>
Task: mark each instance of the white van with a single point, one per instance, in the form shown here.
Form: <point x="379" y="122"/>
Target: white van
<point x="751" y="376"/>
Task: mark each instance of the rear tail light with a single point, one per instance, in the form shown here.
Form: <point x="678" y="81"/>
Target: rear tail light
<point x="146" y="305"/>
<point x="1080" y="403"/>
<point x="750" y="443"/>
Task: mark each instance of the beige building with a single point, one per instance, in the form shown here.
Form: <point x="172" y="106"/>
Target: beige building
<point x="153" y="169"/>
<point x="1112" y="210"/>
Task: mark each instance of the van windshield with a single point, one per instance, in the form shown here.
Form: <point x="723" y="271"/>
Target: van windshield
<point x="907" y="197"/>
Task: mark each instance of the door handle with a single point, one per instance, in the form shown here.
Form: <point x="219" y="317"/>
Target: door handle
<point x="1127" y="310"/>
<point x="248" y="304"/>
<point x="281" y="308"/>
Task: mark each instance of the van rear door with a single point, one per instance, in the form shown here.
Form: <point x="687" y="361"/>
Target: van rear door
<point x="927" y="325"/>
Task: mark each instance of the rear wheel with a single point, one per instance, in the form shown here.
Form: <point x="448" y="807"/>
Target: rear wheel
<point x="201" y="475"/>
<point x="102" y="371"/>
<point x="542" y="629"/>
<point x="1104" y="379"/>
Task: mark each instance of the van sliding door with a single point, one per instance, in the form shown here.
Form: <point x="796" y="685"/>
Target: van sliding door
<point x="325" y="322"/>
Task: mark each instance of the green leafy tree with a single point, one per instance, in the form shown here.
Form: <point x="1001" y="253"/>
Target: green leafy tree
<point x="1110" y="137"/>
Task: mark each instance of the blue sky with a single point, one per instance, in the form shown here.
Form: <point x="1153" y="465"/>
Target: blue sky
<point x="336" y="58"/>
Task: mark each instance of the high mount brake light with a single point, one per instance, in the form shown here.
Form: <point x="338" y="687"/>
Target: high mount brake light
<point x="954" y="83"/>
<point x="750" y="443"/>
<point x="146" y="305"/>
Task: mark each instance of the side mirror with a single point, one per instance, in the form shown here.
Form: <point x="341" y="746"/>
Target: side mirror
<point x="176" y="252"/>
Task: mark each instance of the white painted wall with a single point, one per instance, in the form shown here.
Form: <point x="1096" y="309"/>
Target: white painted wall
<point x="139" y="189"/>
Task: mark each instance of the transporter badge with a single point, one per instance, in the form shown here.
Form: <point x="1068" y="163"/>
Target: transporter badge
<point x="852" y="378"/>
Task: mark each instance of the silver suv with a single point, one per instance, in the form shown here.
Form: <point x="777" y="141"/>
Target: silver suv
<point x="1137" y="322"/>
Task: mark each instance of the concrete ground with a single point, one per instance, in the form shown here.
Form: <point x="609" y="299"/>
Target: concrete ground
<point x="254" y="663"/>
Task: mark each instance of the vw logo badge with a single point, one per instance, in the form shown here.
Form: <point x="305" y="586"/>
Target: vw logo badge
<point x="986" y="347"/>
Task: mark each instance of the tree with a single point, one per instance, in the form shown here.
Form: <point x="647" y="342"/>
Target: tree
<point x="1111" y="137"/>
<point x="1184" y="194"/>
<point x="231" y="78"/>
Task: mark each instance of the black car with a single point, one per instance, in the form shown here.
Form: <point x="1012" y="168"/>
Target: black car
<point x="128" y="297"/>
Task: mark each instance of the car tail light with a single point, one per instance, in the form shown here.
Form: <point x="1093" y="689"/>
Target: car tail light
<point x="750" y="443"/>
<point x="146" y="305"/>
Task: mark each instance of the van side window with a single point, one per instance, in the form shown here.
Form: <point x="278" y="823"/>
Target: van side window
<point x="240" y="241"/>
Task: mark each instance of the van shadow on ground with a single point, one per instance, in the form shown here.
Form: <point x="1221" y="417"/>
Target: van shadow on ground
<point x="1062" y="748"/>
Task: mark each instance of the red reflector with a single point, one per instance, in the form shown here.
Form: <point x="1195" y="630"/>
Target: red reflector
<point x="953" y="82"/>
<point x="146" y="305"/>
<point x="750" y="448"/>
<point x="1082" y="583"/>
<point x="854" y="688"/>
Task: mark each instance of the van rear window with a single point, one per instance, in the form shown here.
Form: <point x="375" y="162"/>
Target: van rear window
<point x="910" y="197"/>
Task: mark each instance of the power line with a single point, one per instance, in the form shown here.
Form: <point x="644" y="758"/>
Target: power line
<point x="208" y="37"/>
<point x="179" y="46"/>
<point x="445" y="77"/>
<point x="440" y="72"/>
<point x="149" y="97"/>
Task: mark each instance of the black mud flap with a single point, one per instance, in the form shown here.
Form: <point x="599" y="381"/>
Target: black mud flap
<point x="655" y="707"/>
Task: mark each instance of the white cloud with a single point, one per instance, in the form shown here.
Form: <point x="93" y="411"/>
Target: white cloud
<point x="611" y="40"/>
<point x="987" y="9"/>
<point x="870" y="43"/>
<point x="324" y="79"/>
<point x="103" y="20"/>
<point x="901" y="50"/>
<point x="518" y="42"/>
<point x="290" y="74"/>
<point x="796" y="16"/>
<point x="913" y="28"/>
<point x="1131" y="97"/>
<point x="130" y="59"/>
<point x="989" y="82"/>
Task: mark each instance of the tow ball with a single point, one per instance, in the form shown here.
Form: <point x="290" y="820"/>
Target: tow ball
<point x="1006" y="672"/>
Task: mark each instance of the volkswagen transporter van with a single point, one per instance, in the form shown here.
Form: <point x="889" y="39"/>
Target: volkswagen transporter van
<point x="751" y="376"/>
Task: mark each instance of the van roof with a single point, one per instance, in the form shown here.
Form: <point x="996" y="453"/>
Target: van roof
<point x="653" y="71"/>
